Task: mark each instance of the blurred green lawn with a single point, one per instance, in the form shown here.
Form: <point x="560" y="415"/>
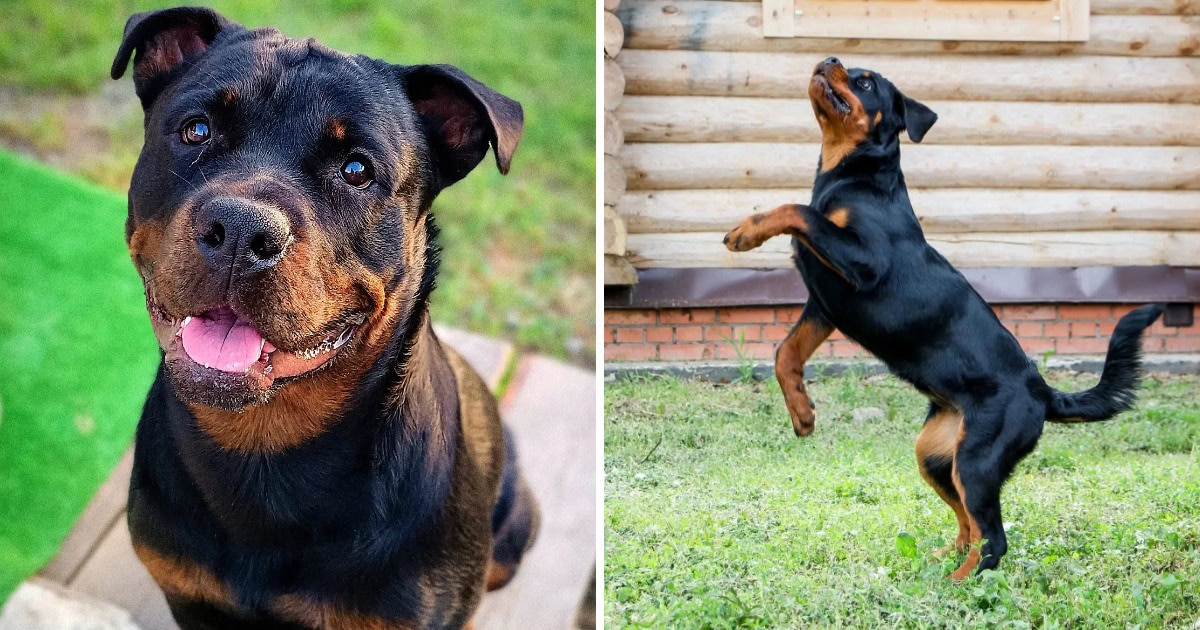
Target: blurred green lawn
<point x="77" y="352"/>
<point x="519" y="257"/>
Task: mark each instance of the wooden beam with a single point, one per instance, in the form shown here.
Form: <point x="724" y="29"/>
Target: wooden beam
<point x="614" y="85"/>
<point x="742" y="119"/>
<point x="751" y="165"/>
<point x="614" y="35"/>
<point x="984" y="249"/>
<point x="778" y="18"/>
<point x="614" y="134"/>
<point x="736" y="26"/>
<point x="618" y="271"/>
<point x="614" y="232"/>
<point x="614" y="180"/>
<point x="939" y="210"/>
<point x="951" y="77"/>
<point x="1122" y="7"/>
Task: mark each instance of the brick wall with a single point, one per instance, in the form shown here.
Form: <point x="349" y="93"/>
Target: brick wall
<point x="706" y="333"/>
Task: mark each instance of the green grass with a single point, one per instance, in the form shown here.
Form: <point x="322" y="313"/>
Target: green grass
<point x="519" y="250"/>
<point x="731" y="521"/>
<point x="78" y="356"/>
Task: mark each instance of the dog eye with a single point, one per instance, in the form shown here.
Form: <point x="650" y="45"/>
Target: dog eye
<point x="195" y="131"/>
<point x="357" y="172"/>
<point x="865" y="84"/>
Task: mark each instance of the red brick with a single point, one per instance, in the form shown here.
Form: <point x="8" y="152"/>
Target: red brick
<point x="609" y="335"/>
<point x="747" y="333"/>
<point x="1083" y="329"/>
<point x="1036" y="346"/>
<point x="685" y="352"/>
<point x="658" y="334"/>
<point x="1029" y="329"/>
<point x="755" y="315"/>
<point x="687" y="315"/>
<point x="1083" y="345"/>
<point x="688" y="333"/>
<point x="629" y="352"/>
<point x="746" y="350"/>
<point x="788" y="314"/>
<point x="1187" y="331"/>
<point x="1105" y="328"/>
<point x="1029" y="311"/>
<point x="1152" y="344"/>
<point x="722" y="334"/>
<point x="1121" y="310"/>
<point x="1182" y="344"/>
<point x="629" y="335"/>
<point x="625" y="317"/>
<point x="1056" y="329"/>
<point x="776" y="332"/>
<point x="1158" y="328"/>
<point x="1085" y="311"/>
<point x="837" y="335"/>
<point x="847" y="349"/>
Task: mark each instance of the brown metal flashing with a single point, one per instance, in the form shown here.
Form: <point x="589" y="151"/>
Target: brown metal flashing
<point x="721" y="287"/>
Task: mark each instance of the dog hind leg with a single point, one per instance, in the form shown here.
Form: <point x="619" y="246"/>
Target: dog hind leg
<point x="935" y="459"/>
<point x="515" y="521"/>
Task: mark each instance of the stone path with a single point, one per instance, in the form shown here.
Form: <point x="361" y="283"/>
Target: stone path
<point x="96" y="583"/>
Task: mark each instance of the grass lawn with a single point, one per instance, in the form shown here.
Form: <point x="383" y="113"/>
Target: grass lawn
<point x="519" y="250"/>
<point x="718" y="517"/>
<point x="78" y="356"/>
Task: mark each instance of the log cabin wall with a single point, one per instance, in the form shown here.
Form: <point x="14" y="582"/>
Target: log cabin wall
<point x="1046" y="156"/>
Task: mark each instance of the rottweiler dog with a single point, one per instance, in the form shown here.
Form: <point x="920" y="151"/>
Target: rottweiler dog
<point x="871" y="274"/>
<point x="309" y="455"/>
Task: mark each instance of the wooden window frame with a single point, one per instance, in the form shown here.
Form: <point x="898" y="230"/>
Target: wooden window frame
<point x="949" y="20"/>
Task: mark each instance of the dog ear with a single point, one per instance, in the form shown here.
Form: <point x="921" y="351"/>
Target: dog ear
<point x="461" y="117"/>
<point x="917" y="118"/>
<point x="164" y="40"/>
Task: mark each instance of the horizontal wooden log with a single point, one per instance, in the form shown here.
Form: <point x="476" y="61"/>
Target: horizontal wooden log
<point x="753" y="165"/>
<point x="615" y="180"/>
<point x="948" y="77"/>
<point x="740" y="119"/>
<point x="734" y="26"/>
<point x="940" y="210"/>
<point x="986" y="249"/>
<point x="618" y="271"/>
<point x="1124" y="7"/>
<point x="614" y="35"/>
<point x="614" y="85"/>
<point x="614" y="134"/>
<point x="613" y="5"/>
<point x="614" y="232"/>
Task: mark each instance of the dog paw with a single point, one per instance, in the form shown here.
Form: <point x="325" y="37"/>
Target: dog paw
<point x="741" y="239"/>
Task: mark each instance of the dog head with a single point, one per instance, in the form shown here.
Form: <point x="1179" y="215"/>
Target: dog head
<point x="857" y="108"/>
<point x="279" y="211"/>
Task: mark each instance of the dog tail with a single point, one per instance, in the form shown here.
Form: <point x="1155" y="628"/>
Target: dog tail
<point x="1117" y="390"/>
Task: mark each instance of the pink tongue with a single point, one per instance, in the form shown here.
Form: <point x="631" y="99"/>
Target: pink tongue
<point x="222" y="341"/>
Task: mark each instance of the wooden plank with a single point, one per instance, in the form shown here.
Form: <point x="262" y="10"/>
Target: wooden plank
<point x="614" y="232"/>
<point x="998" y="20"/>
<point x="750" y="165"/>
<point x="939" y="210"/>
<point x="618" y="271"/>
<point x="615" y="180"/>
<point x="950" y="77"/>
<point x="983" y="249"/>
<point x="614" y="85"/>
<point x="105" y="507"/>
<point x="1123" y="7"/>
<point x="742" y="119"/>
<point x="778" y="18"/>
<point x="614" y="134"/>
<point x="114" y="574"/>
<point x="735" y="26"/>
<point x="614" y="35"/>
<point x="552" y="412"/>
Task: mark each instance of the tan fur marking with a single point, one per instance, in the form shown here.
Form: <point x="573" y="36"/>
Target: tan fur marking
<point x="327" y="616"/>
<point x="839" y="217"/>
<point x="790" y="358"/>
<point x="939" y="439"/>
<point x="337" y="128"/>
<point x="840" y="134"/>
<point x="755" y="229"/>
<point x="185" y="579"/>
<point x="975" y="536"/>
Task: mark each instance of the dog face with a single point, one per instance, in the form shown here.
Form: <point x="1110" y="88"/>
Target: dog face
<point x="278" y="214"/>
<point x="856" y="107"/>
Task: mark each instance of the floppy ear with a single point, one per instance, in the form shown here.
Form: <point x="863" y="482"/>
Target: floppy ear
<point x="461" y="117"/>
<point x="917" y="118"/>
<point x="164" y="40"/>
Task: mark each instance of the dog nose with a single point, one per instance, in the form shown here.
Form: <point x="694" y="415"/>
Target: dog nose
<point x="831" y="61"/>
<point x="241" y="234"/>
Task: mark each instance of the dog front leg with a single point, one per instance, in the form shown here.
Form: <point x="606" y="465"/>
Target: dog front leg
<point x="806" y="336"/>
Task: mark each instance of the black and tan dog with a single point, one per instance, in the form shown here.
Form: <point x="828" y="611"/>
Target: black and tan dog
<point x="871" y="274"/>
<point x="310" y="456"/>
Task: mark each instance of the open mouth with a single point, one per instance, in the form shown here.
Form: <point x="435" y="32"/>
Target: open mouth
<point x="839" y="105"/>
<point x="221" y="341"/>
